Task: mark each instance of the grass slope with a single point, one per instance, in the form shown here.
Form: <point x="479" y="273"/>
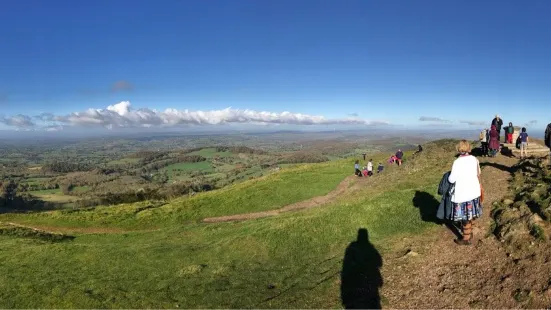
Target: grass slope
<point x="292" y="261"/>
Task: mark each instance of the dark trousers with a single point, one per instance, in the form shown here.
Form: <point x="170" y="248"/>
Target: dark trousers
<point x="484" y="147"/>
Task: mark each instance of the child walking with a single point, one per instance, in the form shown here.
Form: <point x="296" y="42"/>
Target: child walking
<point x="523" y="142"/>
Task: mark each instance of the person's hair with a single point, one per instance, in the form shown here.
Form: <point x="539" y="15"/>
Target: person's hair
<point x="510" y="124"/>
<point x="464" y="146"/>
<point x="371" y="160"/>
<point x="523" y="129"/>
<point x="357" y="161"/>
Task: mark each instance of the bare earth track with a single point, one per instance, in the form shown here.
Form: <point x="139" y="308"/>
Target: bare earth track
<point x="445" y="275"/>
<point x="305" y="204"/>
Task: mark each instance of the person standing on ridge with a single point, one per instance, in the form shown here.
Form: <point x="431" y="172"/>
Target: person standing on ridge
<point x="484" y="141"/>
<point x="498" y="122"/>
<point x="494" y="141"/>
<point x="523" y="142"/>
<point x="548" y="139"/>
<point x="466" y="198"/>
<point x="510" y="131"/>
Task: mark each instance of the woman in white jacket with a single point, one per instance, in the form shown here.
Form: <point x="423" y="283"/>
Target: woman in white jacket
<point x="467" y="205"/>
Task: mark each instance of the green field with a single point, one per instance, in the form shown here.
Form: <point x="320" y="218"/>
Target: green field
<point x="161" y="256"/>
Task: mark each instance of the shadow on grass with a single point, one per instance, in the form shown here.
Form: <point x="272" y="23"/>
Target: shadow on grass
<point x="361" y="276"/>
<point x="21" y="205"/>
<point x="428" y="206"/>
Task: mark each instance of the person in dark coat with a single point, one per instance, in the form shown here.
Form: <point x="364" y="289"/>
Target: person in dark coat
<point x="399" y="156"/>
<point x="445" y="190"/>
<point x="498" y="122"/>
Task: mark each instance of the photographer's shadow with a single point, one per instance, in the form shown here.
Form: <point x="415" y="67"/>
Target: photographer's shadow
<point x="361" y="277"/>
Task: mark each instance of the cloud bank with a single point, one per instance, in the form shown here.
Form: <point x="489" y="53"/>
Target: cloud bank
<point x="433" y="119"/>
<point x="123" y="115"/>
<point x="473" y="123"/>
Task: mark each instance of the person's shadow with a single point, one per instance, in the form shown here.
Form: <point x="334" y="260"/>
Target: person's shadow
<point x="360" y="276"/>
<point x="428" y="206"/>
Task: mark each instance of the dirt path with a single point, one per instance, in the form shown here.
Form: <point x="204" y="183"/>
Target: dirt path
<point x="305" y="204"/>
<point x="441" y="274"/>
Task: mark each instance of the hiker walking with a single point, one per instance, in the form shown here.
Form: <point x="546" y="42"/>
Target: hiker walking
<point x="484" y="137"/>
<point x="494" y="141"/>
<point x="466" y="197"/>
<point x="523" y="136"/>
<point x="498" y="122"/>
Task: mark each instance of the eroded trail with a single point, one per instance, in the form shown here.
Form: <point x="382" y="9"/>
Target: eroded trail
<point x="442" y="274"/>
<point x="305" y="204"/>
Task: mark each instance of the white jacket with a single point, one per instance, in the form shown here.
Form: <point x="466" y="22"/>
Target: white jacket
<point x="464" y="174"/>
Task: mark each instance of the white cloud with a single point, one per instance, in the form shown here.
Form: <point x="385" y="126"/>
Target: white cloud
<point x="123" y="115"/>
<point x="473" y="123"/>
<point x="433" y="119"/>
<point x="19" y="121"/>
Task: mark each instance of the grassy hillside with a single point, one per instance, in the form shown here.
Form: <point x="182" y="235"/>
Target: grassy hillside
<point x="161" y="256"/>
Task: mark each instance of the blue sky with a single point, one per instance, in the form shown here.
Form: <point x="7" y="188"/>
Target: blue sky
<point x="393" y="61"/>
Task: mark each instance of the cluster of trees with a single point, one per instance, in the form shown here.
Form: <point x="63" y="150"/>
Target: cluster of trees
<point x="303" y="157"/>
<point x="67" y="166"/>
<point x="240" y="149"/>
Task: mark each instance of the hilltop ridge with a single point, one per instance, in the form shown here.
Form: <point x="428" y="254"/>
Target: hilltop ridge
<point x="292" y="260"/>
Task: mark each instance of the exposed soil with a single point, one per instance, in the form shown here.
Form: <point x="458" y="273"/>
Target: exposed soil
<point x="484" y="275"/>
<point x="305" y="204"/>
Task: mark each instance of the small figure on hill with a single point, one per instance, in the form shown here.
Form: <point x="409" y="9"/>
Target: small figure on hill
<point x="392" y="159"/>
<point x="466" y="197"/>
<point x="399" y="156"/>
<point x="484" y="137"/>
<point x="370" y="167"/>
<point x="523" y="142"/>
<point x="363" y="154"/>
<point x="357" y="170"/>
<point x="498" y="122"/>
<point x="419" y="149"/>
<point x="510" y="131"/>
<point x="380" y="168"/>
<point x="364" y="171"/>
<point x="494" y="141"/>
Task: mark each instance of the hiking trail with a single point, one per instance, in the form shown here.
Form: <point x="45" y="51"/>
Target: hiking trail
<point x="301" y="205"/>
<point x="442" y="274"/>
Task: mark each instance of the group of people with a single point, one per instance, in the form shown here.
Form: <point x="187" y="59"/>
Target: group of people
<point x="367" y="170"/>
<point x="461" y="188"/>
<point x="490" y="139"/>
<point x="396" y="158"/>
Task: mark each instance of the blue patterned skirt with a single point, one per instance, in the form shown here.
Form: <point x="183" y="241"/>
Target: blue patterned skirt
<point x="466" y="211"/>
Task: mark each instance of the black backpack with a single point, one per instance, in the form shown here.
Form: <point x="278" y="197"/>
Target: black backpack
<point x="548" y="135"/>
